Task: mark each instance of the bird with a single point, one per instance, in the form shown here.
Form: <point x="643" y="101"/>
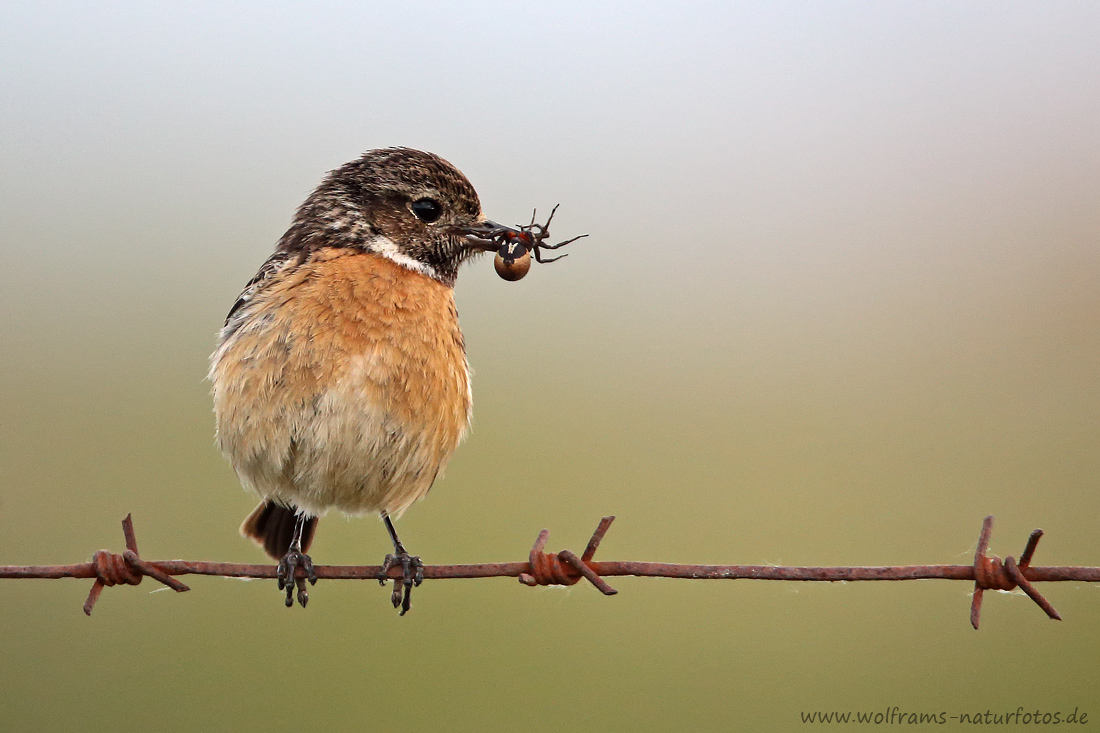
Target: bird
<point x="340" y="378"/>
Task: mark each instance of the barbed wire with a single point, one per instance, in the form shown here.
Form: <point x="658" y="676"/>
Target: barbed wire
<point x="565" y="568"/>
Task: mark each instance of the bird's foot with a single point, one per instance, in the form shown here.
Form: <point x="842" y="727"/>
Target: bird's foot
<point x="288" y="576"/>
<point x="412" y="574"/>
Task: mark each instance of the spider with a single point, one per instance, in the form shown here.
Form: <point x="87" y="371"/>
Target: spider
<point x="513" y="247"/>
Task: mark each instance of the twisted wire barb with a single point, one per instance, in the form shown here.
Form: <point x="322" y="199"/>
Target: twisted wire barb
<point x="565" y="568"/>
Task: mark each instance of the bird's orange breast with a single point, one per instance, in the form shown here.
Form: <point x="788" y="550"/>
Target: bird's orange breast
<point x="344" y="385"/>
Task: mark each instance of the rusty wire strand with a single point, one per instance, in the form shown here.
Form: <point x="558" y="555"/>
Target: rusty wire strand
<point x="565" y="568"/>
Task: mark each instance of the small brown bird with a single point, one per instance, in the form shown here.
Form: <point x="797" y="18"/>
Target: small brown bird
<point x="340" y="377"/>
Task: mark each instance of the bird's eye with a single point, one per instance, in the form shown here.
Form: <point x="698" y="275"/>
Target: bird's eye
<point x="427" y="210"/>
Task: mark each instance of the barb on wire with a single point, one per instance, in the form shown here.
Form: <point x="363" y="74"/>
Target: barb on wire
<point x="565" y="568"/>
<point x="128" y="568"/>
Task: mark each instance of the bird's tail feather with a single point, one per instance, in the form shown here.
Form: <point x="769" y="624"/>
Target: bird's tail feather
<point x="271" y="526"/>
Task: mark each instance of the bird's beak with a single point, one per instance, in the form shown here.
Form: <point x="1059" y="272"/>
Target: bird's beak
<point x="485" y="234"/>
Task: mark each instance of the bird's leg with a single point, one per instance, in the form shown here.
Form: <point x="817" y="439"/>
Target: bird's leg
<point x="412" y="570"/>
<point x="288" y="567"/>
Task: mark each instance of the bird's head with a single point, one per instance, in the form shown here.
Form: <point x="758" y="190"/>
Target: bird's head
<point x="407" y="205"/>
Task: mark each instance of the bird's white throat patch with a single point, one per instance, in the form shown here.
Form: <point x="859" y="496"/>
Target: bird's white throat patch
<point x="386" y="247"/>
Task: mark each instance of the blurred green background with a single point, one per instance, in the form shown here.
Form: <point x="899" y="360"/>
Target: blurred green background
<point x="839" y="302"/>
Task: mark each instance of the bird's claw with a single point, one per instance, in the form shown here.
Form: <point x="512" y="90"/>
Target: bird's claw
<point x="412" y="574"/>
<point x="287" y="575"/>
